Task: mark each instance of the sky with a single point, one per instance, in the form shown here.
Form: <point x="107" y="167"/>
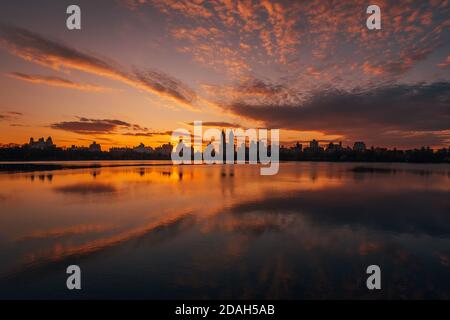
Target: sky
<point x="140" y="69"/>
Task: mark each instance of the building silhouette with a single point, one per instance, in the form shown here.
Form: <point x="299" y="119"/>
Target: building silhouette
<point x="45" y="149"/>
<point x="41" y="144"/>
<point x="165" y="149"/>
<point x="333" y="147"/>
<point x="141" y="148"/>
<point x="95" y="147"/>
<point x="359" y="146"/>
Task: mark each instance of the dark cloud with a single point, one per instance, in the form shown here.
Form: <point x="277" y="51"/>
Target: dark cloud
<point x="145" y="134"/>
<point x="10" y="115"/>
<point x="166" y="85"/>
<point x="398" y="112"/>
<point x="260" y="87"/>
<point x="112" y="122"/>
<point x="34" y="47"/>
<point x="90" y="126"/>
<point x="217" y="124"/>
<point x="100" y="126"/>
<point x="87" y="126"/>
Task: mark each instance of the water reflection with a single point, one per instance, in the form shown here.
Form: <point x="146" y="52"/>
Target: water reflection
<point x="227" y="232"/>
<point x="87" y="188"/>
<point x="42" y="177"/>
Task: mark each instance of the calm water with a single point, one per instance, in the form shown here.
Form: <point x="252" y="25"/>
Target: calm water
<point x="165" y="232"/>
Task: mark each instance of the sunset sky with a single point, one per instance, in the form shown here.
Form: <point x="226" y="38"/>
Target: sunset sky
<point x="140" y="69"/>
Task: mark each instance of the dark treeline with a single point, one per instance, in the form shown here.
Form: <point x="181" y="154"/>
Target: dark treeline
<point x="423" y="155"/>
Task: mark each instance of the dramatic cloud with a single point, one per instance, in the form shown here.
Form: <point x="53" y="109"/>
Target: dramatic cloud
<point x="86" y="126"/>
<point x="58" y="82"/>
<point x="34" y="47"/>
<point x="399" y="112"/>
<point x="259" y="87"/>
<point x="309" y="66"/>
<point x="325" y="40"/>
<point x="99" y="126"/>
<point x="165" y="85"/>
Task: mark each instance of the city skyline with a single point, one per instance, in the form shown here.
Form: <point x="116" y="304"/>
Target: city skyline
<point x="251" y="152"/>
<point x="314" y="143"/>
<point x="139" y="69"/>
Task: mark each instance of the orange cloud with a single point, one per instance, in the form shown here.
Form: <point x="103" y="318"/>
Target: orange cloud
<point x="35" y="48"/>
<point x="371" y="69"/>
<point x="57" y="82"/>
<point x="445" y="63"/>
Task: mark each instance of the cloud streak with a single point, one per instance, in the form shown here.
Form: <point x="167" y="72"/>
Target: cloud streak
<point x="99" y="126"/>
<point x="96" y="127"/>
<point x="38" y="49"/>
<point x="58" y="82"/>
<point x="10" y="115"/>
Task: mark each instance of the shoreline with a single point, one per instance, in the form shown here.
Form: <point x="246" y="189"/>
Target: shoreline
<point x="39" y="166"/>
